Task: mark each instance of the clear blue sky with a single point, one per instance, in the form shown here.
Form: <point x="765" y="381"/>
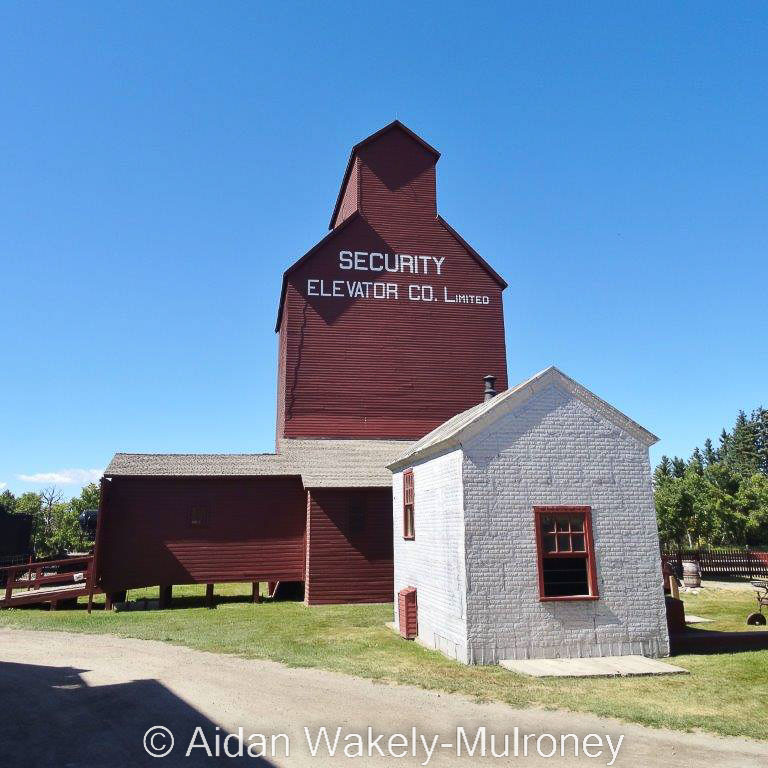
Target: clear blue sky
<point x="163" y="163"/>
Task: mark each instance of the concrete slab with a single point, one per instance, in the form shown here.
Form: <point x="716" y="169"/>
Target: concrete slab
<point x="605" y="666"/>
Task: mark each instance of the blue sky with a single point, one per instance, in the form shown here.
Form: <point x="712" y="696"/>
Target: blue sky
<point x="163" y="163"/>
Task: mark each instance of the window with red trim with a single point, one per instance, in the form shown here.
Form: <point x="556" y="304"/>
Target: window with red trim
<point x="409" y="531"/>
<point x="565" y="550"/>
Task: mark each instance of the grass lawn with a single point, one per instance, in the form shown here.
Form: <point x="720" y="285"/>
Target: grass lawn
<point x="725" y="693"/>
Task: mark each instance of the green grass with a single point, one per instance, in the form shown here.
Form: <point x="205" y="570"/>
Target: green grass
<point x="725" y="693"/>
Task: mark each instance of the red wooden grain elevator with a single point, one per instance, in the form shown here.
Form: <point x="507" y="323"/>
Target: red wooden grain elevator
<point x="386" y="328"/>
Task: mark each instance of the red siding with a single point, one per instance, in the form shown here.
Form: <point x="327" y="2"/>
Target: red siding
<point x="281" y="354"/>
<point x="345" y="565"/>
<point x="349" y="199"/>
<point x="255" y="531"/>
<point x="383" y="367"/>
<point x="397" y="181"/>
<point x="394" y="367"/>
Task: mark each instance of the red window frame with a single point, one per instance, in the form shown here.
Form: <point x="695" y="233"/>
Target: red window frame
<point x="564" y="547"/>
<point x="409" y="529"/>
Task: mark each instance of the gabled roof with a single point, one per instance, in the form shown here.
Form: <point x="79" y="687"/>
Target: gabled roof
<point x="468" y="423"/>
<point x="296" y="264"/>
<point x="475" y="255"/>
<point x="350" y="163"/>
<point x="319" y="463"/>
<point x="395" y="124"/>
<point x="354" y="217"/>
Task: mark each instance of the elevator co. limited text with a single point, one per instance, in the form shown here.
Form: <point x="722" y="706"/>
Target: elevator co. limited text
<point x="365" y="261"/>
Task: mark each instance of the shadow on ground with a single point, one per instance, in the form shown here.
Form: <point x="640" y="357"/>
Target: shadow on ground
<point x="51" y="717"/>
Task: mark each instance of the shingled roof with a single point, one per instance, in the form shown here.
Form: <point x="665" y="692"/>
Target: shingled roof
<point x="319" y="463"/>
<point x="467" y="423"/>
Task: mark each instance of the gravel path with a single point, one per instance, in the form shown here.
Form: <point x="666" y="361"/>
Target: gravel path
<point x="87" y="700"/>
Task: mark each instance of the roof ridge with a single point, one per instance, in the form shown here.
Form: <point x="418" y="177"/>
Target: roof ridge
<point x="449" y="433"/>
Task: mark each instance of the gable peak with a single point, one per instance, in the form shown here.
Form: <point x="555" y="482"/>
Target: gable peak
<point x="366" y="144"/>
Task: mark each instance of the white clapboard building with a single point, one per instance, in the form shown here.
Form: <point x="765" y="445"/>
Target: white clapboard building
<point x="526" y="526"/>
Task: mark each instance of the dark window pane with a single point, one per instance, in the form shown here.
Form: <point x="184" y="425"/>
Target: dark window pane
<point x="563" y="523"/>
<point x="578" y="542"/>
<point x="577" y="523"/>
<point x="565" y="576"/>
<point x="563" y="542"/>
<point x="548" y="524"/>
<point x="549" y="543"/>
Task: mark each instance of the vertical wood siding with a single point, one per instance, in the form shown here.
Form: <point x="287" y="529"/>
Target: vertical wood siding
<point x="254" y="531"/>
<point x="347" y="564"/>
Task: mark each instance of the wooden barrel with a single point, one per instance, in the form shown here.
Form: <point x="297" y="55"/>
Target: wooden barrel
<point x="691" y="573"/>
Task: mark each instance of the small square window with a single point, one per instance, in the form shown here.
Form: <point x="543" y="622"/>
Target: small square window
<point x="199" y="517"/>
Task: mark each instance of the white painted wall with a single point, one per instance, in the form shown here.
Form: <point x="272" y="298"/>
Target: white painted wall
<point x="433" y="561"/>
<point x="554" y="449"/>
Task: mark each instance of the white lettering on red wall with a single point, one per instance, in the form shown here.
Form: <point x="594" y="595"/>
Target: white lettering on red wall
<point x="383" y="263"/>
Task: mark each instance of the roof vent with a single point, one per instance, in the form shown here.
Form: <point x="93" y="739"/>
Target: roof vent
<point x="490" y="387"/>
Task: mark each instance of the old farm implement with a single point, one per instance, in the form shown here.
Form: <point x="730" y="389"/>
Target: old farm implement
<point x="758" y="617"/>
<point x="55" y="582"/>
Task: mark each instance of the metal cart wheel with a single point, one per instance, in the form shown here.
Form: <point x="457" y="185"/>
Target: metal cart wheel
<point x="756" y="620"/>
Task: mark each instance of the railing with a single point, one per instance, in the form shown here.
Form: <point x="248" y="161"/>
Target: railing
<point x="31" y="577"/>
<point x="722" y="563"/>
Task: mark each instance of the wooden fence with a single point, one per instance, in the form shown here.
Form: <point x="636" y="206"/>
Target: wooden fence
<point x="48" y="581"/>
<point x="722" y="563"/>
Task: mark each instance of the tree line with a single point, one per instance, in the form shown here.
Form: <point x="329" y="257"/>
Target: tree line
<point x="719" y="496"/>
<point x="56" y="529"/>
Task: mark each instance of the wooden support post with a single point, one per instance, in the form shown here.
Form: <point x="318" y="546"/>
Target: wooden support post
<point x="255" y="596"/>
<point x="114" y="597"/>
<point x="209" y="600"/>
<point x="166" y="595"/>
<point x="10" y="576"/>
<point x="90" y="578"/>
<point x="54" y="604"/>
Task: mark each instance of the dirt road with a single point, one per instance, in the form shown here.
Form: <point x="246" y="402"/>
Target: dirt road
<point x="87" y="700"/>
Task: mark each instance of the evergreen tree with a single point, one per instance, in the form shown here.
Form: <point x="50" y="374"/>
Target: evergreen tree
<point x="663" y="470"/>
<point x="710" y="454"/>
<point x="724" y="442"/>
<point x="742" y="447"/>
<point x="678" y="466"/>
<point x="760" y="422"/>
<point x="696" y="463"/>
<point x="719" y="496"/>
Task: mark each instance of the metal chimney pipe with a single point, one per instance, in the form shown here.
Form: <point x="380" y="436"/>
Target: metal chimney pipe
<point x="490" y="387"/>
